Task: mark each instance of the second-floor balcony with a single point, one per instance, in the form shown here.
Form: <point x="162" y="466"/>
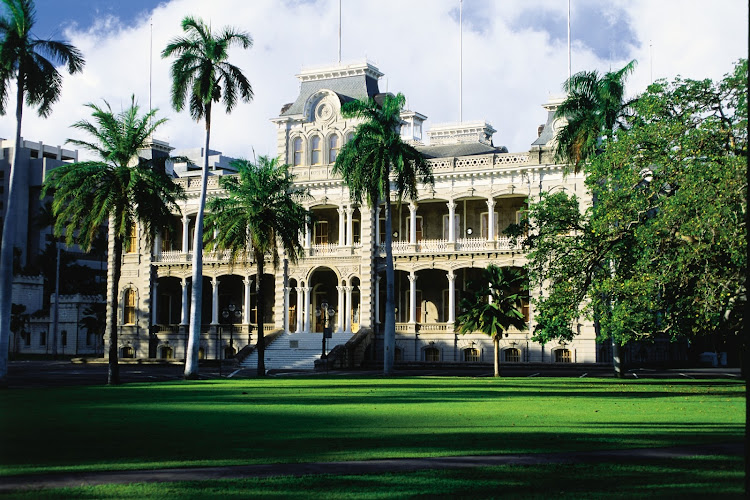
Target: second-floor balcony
<point x="501" y="243"/>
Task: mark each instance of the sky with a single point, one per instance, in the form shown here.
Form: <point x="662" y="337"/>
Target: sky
<point x="514" y="56"/>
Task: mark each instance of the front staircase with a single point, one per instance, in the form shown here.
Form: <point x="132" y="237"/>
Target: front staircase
<point x="295" y="351"/>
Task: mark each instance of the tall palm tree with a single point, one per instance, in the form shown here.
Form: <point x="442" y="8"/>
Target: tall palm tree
<point x="374" y="158"/>
<point x="593" y="109"/>
<point x="117" y="188"/>
<point x="261" y="210"/>
<point x="29" y="62"/>
<point x="202" y="76"/>
<point x="494" y="306"/>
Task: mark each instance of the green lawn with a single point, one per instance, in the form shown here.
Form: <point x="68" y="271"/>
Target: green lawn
<point x="322" y="419"/>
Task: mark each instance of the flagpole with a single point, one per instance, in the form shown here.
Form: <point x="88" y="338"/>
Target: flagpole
<point x="460" y="60"/>
<point x="339" y="31"/>
<point x="569" y="67"/>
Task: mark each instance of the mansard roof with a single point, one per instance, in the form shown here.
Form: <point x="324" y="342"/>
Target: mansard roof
<point x="348" y="82"/>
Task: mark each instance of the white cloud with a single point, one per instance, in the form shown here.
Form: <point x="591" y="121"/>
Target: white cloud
<point x="507" y="73"/>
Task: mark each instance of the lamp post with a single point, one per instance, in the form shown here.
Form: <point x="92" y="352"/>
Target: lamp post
<point x="230" y="315"/>
<point x="325" y="313"/>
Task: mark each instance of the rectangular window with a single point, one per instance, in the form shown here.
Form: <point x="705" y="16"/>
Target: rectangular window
<point x="355" y="230"/>
<point x="317" y="156"/>
<point x="43" y="338"/>
<point x="129" y="312"/>
<point x="133" y="239"/>
<point x="64" y="337"/>
<point x="321" y="232"/>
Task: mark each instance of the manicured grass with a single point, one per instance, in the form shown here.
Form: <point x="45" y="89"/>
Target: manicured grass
<point x="707" y="477"/>
<point x="309" y="419"/>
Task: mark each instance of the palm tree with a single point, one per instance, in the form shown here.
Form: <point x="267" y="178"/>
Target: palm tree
<point x="593" y="109"/>
<point x="202" y="75"/>
<point x="495" y="306"/>
<point x="261" y="210"/>
<point x="31" y="63"/>
<point x="117" y="188"/>
<point x="367" y="163"/>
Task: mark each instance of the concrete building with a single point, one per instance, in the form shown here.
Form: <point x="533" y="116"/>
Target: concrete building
<point x="441" y="242"/>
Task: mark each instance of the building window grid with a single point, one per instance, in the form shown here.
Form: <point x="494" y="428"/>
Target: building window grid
<point x="512" y="355"/>
<point x="333" y="148"/>
<point x="129" y="309"/>
<point x="297" y="152"/>
<point x="471" y="355"/>
<point x="562" y="356"/>
<point x="315" y="146"/>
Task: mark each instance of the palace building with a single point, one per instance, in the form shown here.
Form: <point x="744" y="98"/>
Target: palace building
<point x="441" y="242"/>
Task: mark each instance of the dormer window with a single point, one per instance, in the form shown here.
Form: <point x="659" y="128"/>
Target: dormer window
<point x="333" y="148"/>
<point x="297" y="151"/>
<point x="317" y="156"/>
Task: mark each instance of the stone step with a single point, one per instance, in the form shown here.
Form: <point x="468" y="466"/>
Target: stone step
<point x="295" y="351"/>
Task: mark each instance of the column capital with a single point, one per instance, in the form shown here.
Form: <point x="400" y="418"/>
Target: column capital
<point x="451" y="205"/>
<point x="349" y="209"/>
<point x="247" y="280"/>
<point x="412" y="207"/>
<point x="451" y="276"/>
<point x="348" y="289"/>
<point x="490" y="202"/>
<point x="214" y="281"/>
<point x="341" y="210"/>
<point x="412" y="277"/>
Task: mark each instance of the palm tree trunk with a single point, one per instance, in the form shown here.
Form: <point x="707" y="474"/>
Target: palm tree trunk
<point x="389" y="333"/>
<point x="113" y="285"/>
<point x="261" y="310"/>
<point x="496" y="342"/>
<point x="194" y="329"/>
<point x="6" y="250"/>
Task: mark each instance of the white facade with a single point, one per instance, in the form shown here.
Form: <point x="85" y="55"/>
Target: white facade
<point x="440" y="244"/>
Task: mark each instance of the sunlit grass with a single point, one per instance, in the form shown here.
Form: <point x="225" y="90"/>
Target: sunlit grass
<point x="707" y="477"/>
<point x="232" y="422"/>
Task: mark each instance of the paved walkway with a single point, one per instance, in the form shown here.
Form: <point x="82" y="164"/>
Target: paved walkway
<point x="59" y="480"/>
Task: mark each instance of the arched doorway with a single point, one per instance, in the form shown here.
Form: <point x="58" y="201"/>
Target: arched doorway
<point x="323" y="283"/>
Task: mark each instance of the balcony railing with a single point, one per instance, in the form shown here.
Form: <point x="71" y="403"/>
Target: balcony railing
<point x="178" y="256"/>
<point x="460" y="245"/>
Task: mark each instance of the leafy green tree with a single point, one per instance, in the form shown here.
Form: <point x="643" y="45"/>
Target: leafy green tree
<point x="663" y="249"/>
<point x="31" y="63"/>
<point x="201" y="75"/>
<point x="374" y="158"/>
<point x="494" y="306"/>
<point x="118" y="188"/>
<point x="261" y="211"/>
<point x="594" y="108"/>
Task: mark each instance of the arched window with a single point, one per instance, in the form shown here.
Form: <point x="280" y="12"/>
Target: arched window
<point x="398" y="354"/>
<point x="127" y="352"/>
<point x="349" y="137"/>
<point x="166" y="352"/>
<point x="315" y="145"/>
<point x="298" y="151"/>
<point x="432" y="354"/>
<point x="201" y="353"/>
<point x="562" y="356"/>
<point x="471" y="355"/>
<point x="129" y="309"/>
<point x="512" y="355"/>
<point x="333" y="148"/>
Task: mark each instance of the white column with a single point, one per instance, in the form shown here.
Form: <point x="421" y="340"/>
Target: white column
<point x="307" y="237"/>
<point x="215" y="301"/>
<point x="156" y="251"/>
<point x="306" y="317"/>
<point x="248" y="281"/>
<point x="412" y="297"/>
<point x="342" y="226"/>
<point x="299" y="308"/>
<point x="377" y="300"/>
<point x="349" y="226"/>
<point x="348" y="309"/>
<point x="451" y="222"/>
<point x="377" y="228"/>
<point x="184" y="314"/>
<point x="185" y="233"/>
<point x="341" y="308"/>
<point x="154" y="297"/>
<point x="490" y="219"/>
<point x="413" y="223"/>
<point x="286" y="309"/>
<point x="451" y="297"/>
